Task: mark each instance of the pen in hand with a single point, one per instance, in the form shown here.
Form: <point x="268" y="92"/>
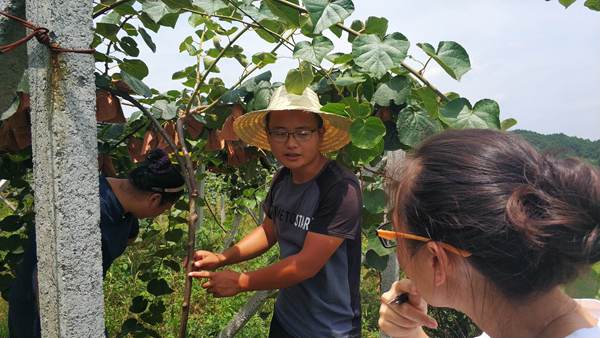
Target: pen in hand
<point x="400" y="299"/>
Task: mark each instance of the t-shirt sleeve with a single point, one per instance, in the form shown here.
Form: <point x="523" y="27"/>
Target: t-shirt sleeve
<point x="268" y="202"/>
<point x="339" y="211"/>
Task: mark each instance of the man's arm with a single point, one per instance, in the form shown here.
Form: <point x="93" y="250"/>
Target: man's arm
<point x="252" y="245"/>
<point x="289" y="271"/>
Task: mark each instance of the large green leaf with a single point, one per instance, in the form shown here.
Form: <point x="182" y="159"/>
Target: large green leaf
<point x="592" y="4"/>
<point x="414" y="125"/>
<point x="429" y="100"/>
<point x="286" y="13"/>
<point x="361" y="157"/>
<point x="459" y="114"/>
<point x="376" y="56"/>
<point x="136" y="84"/>
<point x="367" y="133"/>
<point x="313" y="51"/>
<point x="210" y="6"/>
<point x="263" y="59"/>
<point x="326" y="13"/>
<point x="451" y="56"/>
<point x="138" y="304"/>
<point x="298" y="79"/>
<point x="397" y="90"/>
<point x="134" y="67"/>
<point x="156" y="9"/>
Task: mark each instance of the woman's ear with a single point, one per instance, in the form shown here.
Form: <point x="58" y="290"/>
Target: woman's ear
<point x="155" y="200"/>
<point x="440" y="263"/>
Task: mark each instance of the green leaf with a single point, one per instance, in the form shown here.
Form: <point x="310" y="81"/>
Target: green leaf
<point x="586" y="286"/>
<point x="566" y="3"/>
<point x="373" y="260"/>
<point x="414" y="125"/>
<point x="11" y="109"/>
<point x="373" y="243"/>
<point x="314" y="51"/>
<point x="159" y="287"/>
<point x="174" y="235"/>
<point x="136" y="84"/>
<point x="362" y="157"/>
<point x="374" y="201"/>
<point x="147" y="39"/>
<point x="367" y="133"/>
<point x="459" y="114"/>
<point x="134" y="67"/>
<point x="345" y="81"/>
<point x="339" y="58"/>
<point x="451" y="56"/>
<point x="210" y="6"/>
<point x="138" y="304"/>
<point x="262" y="96"/>
<point x="397" y="89"/>
<point x="298" y="79"/>
<point x="129" y="46"/>
<point x="428" y="98"/>
<point x="156" y="9"/>
<point x="508" y="123"/>
<point x="11" y="223"/>
<point x="326" y="13"/>
<point x="593" y="4"/>
<point x="286" y="13"/>
<point x="165" y="109"/>
<point x="377" y="26"/>
<point x="263" y="59"/>
<point x="357" y="110"/>
<point x="273" y="26"/>
<point x="173" y="265"/>
<point x="335" y="108"/>
<point x="376" y="56"/>
<point x="178" y="4"/>
<point x="356" y="26"/>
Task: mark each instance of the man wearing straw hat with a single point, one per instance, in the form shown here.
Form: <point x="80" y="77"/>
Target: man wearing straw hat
<point x="312" y="212"/>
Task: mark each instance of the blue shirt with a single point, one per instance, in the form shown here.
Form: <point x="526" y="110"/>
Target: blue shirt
<point x="116" y="229"/>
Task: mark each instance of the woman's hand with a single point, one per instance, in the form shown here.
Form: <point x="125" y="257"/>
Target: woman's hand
<point x="407" y="319"/>
<point x="207" y="260"/>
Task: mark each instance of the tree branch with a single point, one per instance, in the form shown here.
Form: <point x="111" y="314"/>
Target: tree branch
<point x="108" y="8"/>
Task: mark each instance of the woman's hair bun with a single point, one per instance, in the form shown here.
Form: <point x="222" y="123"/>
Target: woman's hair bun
<point x="158" y="162"/>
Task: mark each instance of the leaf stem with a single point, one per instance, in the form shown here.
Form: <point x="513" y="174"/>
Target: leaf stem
<point x="108" y="8"/>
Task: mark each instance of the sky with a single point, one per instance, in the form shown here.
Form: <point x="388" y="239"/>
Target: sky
<point x="538" y="60"/>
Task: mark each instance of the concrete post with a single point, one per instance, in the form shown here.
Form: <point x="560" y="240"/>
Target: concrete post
<point x="66" y="172"/>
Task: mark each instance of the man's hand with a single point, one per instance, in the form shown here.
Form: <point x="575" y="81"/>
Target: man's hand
<point x="206" y="260"/>
<point x="404" y="320"/>
<point x="222" y="283"/>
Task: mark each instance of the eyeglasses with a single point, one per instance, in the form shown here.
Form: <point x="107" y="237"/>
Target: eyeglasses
<point x="300" y="135"/>
<point x="389" y="239"/>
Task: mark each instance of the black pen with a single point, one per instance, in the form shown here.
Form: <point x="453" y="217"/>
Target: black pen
<point x="400" y="299"/>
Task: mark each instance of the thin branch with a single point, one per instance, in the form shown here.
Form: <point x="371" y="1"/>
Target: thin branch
<point x="414" y="72"/>
<point x="223" y="17"/>
<point x="108" y="8"/>
<point x="210" y="68"/>
<point x="425" y="65"/>
<point x="111" y="43"/>
<point x="213" y="214"/>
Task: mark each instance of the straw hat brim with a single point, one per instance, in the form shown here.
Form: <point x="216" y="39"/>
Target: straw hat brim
<point x="251" y="129"/>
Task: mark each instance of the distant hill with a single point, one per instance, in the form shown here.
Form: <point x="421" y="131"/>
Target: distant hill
<point x="564" y="145"/>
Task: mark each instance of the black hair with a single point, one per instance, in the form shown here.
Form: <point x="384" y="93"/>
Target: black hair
<point x="318" y="118"/>
<point x="530" y="220"/>
<point x="157" y="174"/>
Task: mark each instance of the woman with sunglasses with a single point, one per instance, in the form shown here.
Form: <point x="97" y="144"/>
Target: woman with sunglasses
<point x="485" y="224"/>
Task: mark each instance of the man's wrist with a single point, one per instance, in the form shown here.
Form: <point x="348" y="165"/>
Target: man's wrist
<point x="222" y="259"/>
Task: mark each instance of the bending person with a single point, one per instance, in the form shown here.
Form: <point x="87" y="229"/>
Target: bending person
<point x="312" y="212"/>
<point x="150" y="190"/>
<point x="486" y="225"/>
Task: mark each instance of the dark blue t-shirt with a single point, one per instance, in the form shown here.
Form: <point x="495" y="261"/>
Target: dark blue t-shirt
<point x="116" y="229"/>
<point x="327" y="304"/>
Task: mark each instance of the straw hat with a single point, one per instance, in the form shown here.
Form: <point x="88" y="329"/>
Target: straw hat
<point x="251" y="128"/>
